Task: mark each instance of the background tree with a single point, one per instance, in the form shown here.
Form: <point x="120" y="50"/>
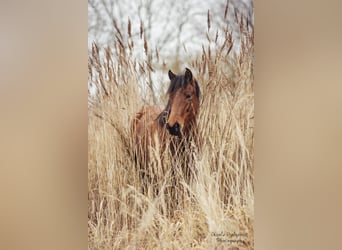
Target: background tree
<point x="166" y="34"/>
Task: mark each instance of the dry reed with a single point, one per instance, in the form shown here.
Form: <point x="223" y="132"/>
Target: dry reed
<point x="215" y="208"/>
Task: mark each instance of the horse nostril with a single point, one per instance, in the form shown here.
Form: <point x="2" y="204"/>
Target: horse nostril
<point x="174" y="130"/>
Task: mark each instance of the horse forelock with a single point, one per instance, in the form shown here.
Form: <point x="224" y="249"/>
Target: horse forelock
<point x="180" y="82"/>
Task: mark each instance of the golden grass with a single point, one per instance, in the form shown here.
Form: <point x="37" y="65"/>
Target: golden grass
<point x="212" y="211"/>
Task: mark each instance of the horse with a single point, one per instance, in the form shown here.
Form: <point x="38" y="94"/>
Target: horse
<point x="154" y="128"/>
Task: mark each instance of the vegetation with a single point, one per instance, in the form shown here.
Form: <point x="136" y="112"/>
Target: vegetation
<point x="215" y="208"/>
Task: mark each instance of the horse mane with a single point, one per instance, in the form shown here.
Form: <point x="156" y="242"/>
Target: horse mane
<point x="176" y="83"/>
<point x="164" y="115"/>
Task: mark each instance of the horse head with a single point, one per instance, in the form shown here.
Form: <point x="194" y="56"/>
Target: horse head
<point x="183" y="104"/>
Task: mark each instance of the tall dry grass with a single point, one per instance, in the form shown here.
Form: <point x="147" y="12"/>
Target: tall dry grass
<point x="213" y="210"/>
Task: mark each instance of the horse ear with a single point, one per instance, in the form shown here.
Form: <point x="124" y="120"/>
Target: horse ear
<point x="171" y="75"/>
<point x="188" y="74"/>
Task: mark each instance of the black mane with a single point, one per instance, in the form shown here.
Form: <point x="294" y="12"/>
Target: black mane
<point x="164" y="115"/>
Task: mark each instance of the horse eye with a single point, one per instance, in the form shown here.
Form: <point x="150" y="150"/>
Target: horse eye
<point x="187" y="96"/>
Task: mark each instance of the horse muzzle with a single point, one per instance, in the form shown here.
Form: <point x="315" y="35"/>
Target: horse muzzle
<point x="175" y="129"/>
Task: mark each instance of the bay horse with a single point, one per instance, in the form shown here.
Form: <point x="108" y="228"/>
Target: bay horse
<point x="153" y="127"/>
